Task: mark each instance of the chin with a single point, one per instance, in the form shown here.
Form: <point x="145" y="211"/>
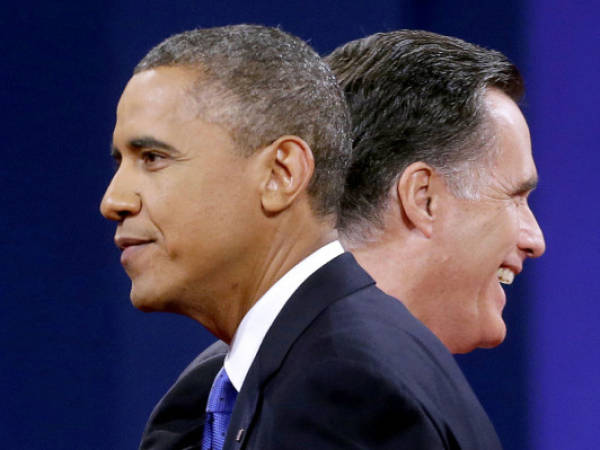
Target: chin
<point x="493" y="334"/>
<point x="146" y="300"/>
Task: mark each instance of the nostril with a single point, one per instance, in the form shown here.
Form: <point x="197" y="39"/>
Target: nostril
<point x="535" y="250"/>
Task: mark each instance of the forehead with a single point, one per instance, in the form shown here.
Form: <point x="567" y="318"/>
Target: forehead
<point x="164" y="92"/>
<point x="514" y="160"/>
<point x="159" y="105"/>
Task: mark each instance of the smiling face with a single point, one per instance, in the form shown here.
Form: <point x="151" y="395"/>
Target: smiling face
<point x="184" y="201"/>
<point x="486" y="240"/>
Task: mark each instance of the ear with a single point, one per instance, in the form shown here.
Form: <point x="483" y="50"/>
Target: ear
<point x="417" y="192"/>
<point x="290" y="166"/>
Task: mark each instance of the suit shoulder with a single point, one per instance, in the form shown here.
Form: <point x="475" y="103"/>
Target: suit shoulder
<point x="216" y="350"/>
<point x="375" y="337"/>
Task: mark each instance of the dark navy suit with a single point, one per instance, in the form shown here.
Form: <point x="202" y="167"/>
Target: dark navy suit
<point x="343" y="366"/>
<point x="177" y="421"/>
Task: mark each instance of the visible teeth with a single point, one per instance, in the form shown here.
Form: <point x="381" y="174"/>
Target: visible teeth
<point x="505" y="276"/>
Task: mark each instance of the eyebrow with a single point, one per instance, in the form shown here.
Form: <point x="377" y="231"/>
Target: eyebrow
<point x="526" y="186"/>
<point x="144" y="142"/>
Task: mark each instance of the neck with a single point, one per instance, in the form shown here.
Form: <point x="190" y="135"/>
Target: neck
<point x="389" y="263"/>
<point x="405" y="268"/>
<point x="269" y="257"/>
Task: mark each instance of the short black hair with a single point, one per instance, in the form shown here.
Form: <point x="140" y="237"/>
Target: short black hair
<point x="261" y="83"/>
<point x="414" y="96"/>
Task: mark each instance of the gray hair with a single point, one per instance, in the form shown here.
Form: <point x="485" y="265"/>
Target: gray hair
<point x="415" y="96"/>
<point x="261" y="83"/>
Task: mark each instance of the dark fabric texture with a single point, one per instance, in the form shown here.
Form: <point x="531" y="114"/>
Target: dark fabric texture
<point x="344" y="366"/>
<point x="177" y="421"/>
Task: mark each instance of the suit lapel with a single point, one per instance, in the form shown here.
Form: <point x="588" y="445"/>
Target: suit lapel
<point x="178" y="419"/>
<point x="335" y="280"/>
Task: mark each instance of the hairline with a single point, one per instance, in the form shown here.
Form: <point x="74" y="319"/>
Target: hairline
<point x="256" y="111"/>
<point x="198" y="92"/>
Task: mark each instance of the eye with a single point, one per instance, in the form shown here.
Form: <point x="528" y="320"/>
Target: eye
<point x="153" y="159"/>
<point x="150" y="157"/>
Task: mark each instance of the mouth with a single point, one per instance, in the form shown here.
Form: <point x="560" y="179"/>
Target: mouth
<point x="131" y="248"/>
<point x="125" y="242"/>
<point x="505" y="275"/>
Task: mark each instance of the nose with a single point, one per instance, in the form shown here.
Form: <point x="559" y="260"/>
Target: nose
<point x="531" y="239"/>
<point x="121" y="199"/>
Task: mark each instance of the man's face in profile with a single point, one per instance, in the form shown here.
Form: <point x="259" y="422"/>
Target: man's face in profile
<point x="485" y="241"/>
<point x="178" y="194"/>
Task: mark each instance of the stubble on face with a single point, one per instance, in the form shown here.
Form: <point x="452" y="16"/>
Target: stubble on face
<point x="182" y="186"/>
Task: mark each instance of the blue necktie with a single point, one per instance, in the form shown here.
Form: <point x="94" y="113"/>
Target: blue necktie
<point x="218" y="412"/>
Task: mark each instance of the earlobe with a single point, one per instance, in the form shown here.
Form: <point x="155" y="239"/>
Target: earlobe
<point x="290" y="165"/>
<point x="417" y="196"/>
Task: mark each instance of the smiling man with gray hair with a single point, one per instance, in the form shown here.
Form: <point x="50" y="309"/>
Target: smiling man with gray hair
<point x="435" y="204"/>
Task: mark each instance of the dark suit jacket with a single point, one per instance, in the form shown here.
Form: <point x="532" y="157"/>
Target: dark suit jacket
<point x="177" y="420"/>
<point x="343" y="366"/>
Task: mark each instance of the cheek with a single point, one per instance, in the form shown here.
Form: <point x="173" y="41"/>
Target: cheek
<point x="501" y="230"/>
<point x="177" y="214"/>
<point x="508" y="231"/>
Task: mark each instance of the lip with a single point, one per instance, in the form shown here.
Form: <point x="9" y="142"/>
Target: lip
<point x="515" y="268"/>
<point x="124" y="242"/>
<point x="130" y="246"/>
<point x="501" y="299"/>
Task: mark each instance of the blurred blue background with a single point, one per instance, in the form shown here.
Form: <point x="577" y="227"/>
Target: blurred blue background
<point x="81" y="368"/>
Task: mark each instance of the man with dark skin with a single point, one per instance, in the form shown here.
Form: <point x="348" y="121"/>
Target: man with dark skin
<point x="232" y="146"/>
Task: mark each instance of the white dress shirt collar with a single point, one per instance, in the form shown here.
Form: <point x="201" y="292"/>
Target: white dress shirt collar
<point x="257" y="321"/>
